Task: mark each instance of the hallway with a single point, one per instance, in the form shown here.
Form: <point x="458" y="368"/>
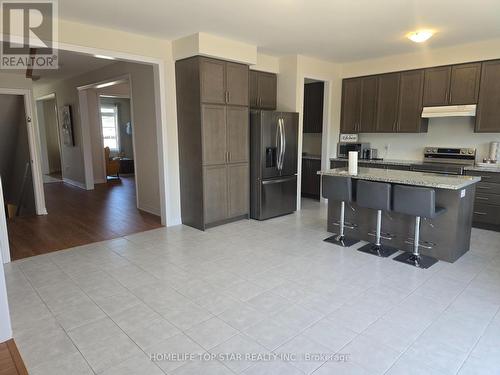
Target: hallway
<point x="77" y="217"/>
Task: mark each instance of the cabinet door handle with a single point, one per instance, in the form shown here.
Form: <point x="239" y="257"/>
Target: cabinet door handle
<point x="480" y="213"/>
<point x="228" y="157"/>
<point x="228" y="96"/>
<point x="483" y="198"/>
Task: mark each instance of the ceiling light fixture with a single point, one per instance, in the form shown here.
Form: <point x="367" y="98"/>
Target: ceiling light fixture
<point x="420" y="35"/>
<point x="104" y="57"/>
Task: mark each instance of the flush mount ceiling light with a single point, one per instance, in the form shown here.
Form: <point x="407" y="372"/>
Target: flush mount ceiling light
<point x="419" y="36"/>
<point x="104" y="57"/>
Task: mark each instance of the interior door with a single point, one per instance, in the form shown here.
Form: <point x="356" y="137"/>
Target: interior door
<point x="238" y="189"/>
<point x="212" y="77"/>
<point x="291" y="134"/>
<point x="237" y="84"/>
<point x="215" y="192"/>
<point x="237" y="134"/>
<point x="213" y="130"/>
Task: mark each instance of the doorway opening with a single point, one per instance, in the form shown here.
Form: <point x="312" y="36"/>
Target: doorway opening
<point x="50" y="143"/>
<point x="15" y="159"/>
<point x="92" y="202"/>
<point x="312" y="134"/>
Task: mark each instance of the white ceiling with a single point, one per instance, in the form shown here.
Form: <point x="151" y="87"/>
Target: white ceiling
<point x="338" y="30"/>
<point x="72" y="64"/>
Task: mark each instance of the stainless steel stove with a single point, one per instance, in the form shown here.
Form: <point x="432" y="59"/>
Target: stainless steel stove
<point x="446" y="160"/>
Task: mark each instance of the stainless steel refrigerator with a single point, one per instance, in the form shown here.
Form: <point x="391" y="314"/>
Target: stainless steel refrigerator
<point x="273" y="163"/>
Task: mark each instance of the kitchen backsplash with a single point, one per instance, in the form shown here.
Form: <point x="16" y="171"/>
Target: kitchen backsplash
<point x="446" y="131"/>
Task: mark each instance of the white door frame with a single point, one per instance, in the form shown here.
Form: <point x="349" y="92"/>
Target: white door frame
<point x="158" y="66"/>
<point x="34" y="147"/>
<point x="86" y="123"/>
<point x="325" y="131"/>
<point x="52" y="96"/>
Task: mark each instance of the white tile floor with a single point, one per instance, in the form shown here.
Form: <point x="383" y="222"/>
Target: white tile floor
<point x="254" y="287"/>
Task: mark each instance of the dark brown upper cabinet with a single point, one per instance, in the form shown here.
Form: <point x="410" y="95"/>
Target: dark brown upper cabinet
<point x="452" y="85"/>
<point x="313" y="107"/>
<point x="263" y="88"/>
<point x="465" y="80"/>
<point x="368" y="106"/>
<point x="437" y="86"/>
<point x="411" y="86"/>
<point x="488" y="109"/>
<point x="223" y="82"/>
<point x="212" y="79"/>
<point x="387" y="102"/>
<point x="351" y="105"/>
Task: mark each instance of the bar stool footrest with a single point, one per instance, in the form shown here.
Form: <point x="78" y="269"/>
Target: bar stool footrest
<point x="341" y="241"/>
<point x="347" y="225"/>
<point x="381" y="251"/>
<point x="420" y="261"/>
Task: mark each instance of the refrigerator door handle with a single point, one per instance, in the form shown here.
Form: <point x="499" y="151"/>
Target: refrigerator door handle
<point x="279" y="180"/>
<point x="283" y="132"/>
<point x="279" y="139"/>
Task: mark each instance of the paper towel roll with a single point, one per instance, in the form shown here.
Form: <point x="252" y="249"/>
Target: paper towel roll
<point x="494" y="146"/>
<point x="353" y="163"/>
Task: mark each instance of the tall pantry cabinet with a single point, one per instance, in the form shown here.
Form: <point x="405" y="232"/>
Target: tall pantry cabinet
<point x="213" y="127"/>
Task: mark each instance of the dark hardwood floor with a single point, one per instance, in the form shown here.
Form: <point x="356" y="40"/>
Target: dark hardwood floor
<point x="77" y="217"/>
<point x="11" y="362"/>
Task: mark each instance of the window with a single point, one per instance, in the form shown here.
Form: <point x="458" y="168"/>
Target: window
<point x="110" y="132"/>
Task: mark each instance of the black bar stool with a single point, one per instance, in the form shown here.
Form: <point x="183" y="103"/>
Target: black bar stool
<point x="339" y="188"/>
<point x="377" y="196"/>
<point x="418" y="202"/>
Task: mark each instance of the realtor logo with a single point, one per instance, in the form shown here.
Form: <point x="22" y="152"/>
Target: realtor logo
<point x="29" y="35"/>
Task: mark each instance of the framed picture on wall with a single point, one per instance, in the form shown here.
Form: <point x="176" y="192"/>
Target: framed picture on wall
<point x="67" y="126"/>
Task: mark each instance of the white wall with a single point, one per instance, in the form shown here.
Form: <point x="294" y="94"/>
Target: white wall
<point x="5" y="326"/>
<point x="213" y="46"/>
<point x="452" y="131"/>
<point x="293" y="70"/>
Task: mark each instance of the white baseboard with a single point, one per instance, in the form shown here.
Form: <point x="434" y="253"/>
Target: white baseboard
<point x="152" y="210"/>
<point x="74" y="183"/>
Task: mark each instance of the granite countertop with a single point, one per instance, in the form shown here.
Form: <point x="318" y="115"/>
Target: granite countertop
<point x="476" y="168"/>
<point x="431" y="180"/>
<point x="384" y="161"/>
<point x="492" y="168"/>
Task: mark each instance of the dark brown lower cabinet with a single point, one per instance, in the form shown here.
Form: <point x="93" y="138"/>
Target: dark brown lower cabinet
<point x="226" y="192"/>
<point x="310" y="183"/>
<point x="238" y="188"/>
<point x="487" y="201"/>
<point x="215" y="193"/>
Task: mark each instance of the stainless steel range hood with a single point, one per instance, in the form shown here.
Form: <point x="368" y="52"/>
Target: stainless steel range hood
<point x="449" y="111"/>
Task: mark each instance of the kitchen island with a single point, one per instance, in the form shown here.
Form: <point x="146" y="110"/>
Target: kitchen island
<point x="446" y="237"/>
